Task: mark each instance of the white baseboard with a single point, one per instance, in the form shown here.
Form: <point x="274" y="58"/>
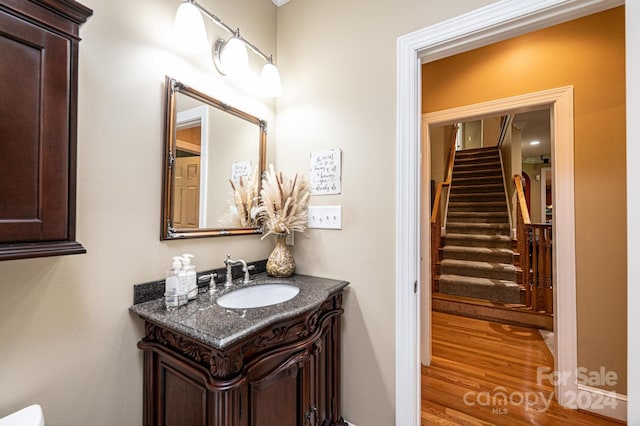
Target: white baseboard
<point x="349" y="423"/>
<point x="602" y="402"/>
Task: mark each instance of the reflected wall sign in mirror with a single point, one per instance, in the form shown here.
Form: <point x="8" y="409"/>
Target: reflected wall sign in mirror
<point x="214" y="158"/>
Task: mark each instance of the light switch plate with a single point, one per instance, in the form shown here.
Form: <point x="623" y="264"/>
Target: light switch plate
<point x="325" y="217"/>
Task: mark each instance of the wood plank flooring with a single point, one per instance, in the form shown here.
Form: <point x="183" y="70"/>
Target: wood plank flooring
<point x="485" y="373"/>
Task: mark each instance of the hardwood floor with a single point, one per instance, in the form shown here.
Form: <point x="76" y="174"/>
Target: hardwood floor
<point x="485" y="373"/>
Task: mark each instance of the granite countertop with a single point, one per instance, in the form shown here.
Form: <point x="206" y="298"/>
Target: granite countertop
<point x="207" y="322"/>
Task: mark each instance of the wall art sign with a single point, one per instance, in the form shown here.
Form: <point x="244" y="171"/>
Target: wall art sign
<point x="326" y="172"/>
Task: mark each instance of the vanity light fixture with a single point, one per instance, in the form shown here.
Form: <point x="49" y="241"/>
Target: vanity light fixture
<point x="534" y="143"/>
<point x="189" y="29"/>
<point x="229" y="56"/>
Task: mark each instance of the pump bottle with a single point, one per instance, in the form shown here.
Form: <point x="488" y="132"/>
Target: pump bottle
<point x="172" y="285"/>
<point x="189" y="274"/>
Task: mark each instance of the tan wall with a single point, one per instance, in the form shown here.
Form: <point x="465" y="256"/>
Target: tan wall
<point x="589" y="54"/>
<point x="512" y="160"/>
<point x="68" y="340"/>
<point x="440" y="146"/>
<point x="490" y="131"/>
<point x="338" y="65"/>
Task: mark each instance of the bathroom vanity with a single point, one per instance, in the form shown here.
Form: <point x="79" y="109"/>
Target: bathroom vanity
<point x="272" y="365"/>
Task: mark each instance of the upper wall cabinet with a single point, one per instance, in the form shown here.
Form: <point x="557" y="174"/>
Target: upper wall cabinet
<point x="38" y="109"/>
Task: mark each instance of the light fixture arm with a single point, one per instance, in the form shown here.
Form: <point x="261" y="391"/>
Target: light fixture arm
<point x="235" y="32"/>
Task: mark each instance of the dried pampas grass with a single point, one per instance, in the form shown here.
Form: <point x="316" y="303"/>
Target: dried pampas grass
<point x="244" y="199"/>
<point x="284" y="203"/>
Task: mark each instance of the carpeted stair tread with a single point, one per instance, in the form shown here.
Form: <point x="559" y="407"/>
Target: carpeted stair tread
<point x="478" y="206"/>
<point x="479" y="188"/>
<point x="474" y="158"/>
<point x="476" y="152"/>
<point x="481" y="165"/>
<point x="504" y="291"/>
<point x="476" y="196"/>
<point x="476" y="180"/>
<point x="484" y="238"/>
<point x="476" y="240"/>
<point x="480" y="254"/>
<point x="479" y="225"/>
<point x="475" y="174"/>
<point x="478" y="228"/>
<point x="483" y="217"/>
<point x="470" y="268"/>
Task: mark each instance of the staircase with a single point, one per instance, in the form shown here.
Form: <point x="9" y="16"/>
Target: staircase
<point x="477" y="259"/>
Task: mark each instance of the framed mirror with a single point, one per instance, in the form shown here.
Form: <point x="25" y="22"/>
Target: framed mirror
<point x="214" y="157"/>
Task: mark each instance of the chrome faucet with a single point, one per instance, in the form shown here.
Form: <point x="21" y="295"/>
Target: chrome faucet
<point x="230" y="263"/>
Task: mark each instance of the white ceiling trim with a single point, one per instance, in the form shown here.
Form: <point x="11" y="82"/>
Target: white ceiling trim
<point x="279" y="2"/>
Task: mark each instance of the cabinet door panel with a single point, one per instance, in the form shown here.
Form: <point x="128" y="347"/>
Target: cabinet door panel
<point x="34" y="132"/>
<point x="183" y="401"/>
<point x="282" y="397"/>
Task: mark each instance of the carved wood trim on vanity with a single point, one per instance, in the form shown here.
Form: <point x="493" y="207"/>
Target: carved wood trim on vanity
<point x="233" y="386"/>
<point x="224" y="364"/>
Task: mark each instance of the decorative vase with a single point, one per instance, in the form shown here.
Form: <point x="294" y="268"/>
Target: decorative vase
<point x="280" y="262"/>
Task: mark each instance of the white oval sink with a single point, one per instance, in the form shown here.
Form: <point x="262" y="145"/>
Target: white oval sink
<point x="258" y="296"/>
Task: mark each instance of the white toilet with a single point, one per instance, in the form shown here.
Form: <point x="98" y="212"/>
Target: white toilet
<point x="28" y="416"/>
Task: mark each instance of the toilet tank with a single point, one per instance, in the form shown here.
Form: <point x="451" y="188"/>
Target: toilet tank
<point x="28" y="416"/>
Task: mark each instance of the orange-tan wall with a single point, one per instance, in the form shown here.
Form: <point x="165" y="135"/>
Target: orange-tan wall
<point x="588" y="54"/>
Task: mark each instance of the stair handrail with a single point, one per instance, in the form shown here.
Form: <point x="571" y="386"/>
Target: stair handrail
<point x="522" y="236"/>
<point x="448" y="175"/>
<point x="522" y="201"/>
<point x="436" y="217"/>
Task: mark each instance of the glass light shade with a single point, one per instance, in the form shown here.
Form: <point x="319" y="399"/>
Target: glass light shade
<point x="270" y="81"/>
<point x="189" y="29"/>
<point x="234" y="58"/>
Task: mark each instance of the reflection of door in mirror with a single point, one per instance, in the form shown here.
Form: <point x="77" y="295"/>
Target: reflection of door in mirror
<point x="190" y="183"/>
<point x="187" y="177"/>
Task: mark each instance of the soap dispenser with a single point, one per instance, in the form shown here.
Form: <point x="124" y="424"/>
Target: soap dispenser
<point x="173" y="293"/>
<point x="189" y="272"/>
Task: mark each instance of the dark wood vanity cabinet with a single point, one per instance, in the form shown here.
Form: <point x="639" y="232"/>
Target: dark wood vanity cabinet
<point x="287" y="374"/>
<point x="38" y="92"/>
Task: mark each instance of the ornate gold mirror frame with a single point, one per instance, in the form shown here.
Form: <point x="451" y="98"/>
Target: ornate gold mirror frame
<point x="216" y="155"/>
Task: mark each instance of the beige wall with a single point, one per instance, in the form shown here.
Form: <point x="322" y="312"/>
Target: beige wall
<point x="68" y="341"/>
<point x="440" y="144"/>
<point x="338" y="64"/>
<point x="589" y="54"/>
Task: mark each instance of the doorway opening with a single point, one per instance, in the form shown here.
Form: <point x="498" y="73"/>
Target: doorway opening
<point x="493" y="23"/>
<point x="559" y="102"/>
<point x="491" y="253"/>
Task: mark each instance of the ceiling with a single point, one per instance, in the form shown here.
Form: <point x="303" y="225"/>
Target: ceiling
<point x="535" y="125"/>
<point x="279" y="2"/>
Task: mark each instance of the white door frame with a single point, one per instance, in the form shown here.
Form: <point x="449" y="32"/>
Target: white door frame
<point x="495" y="22"/>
